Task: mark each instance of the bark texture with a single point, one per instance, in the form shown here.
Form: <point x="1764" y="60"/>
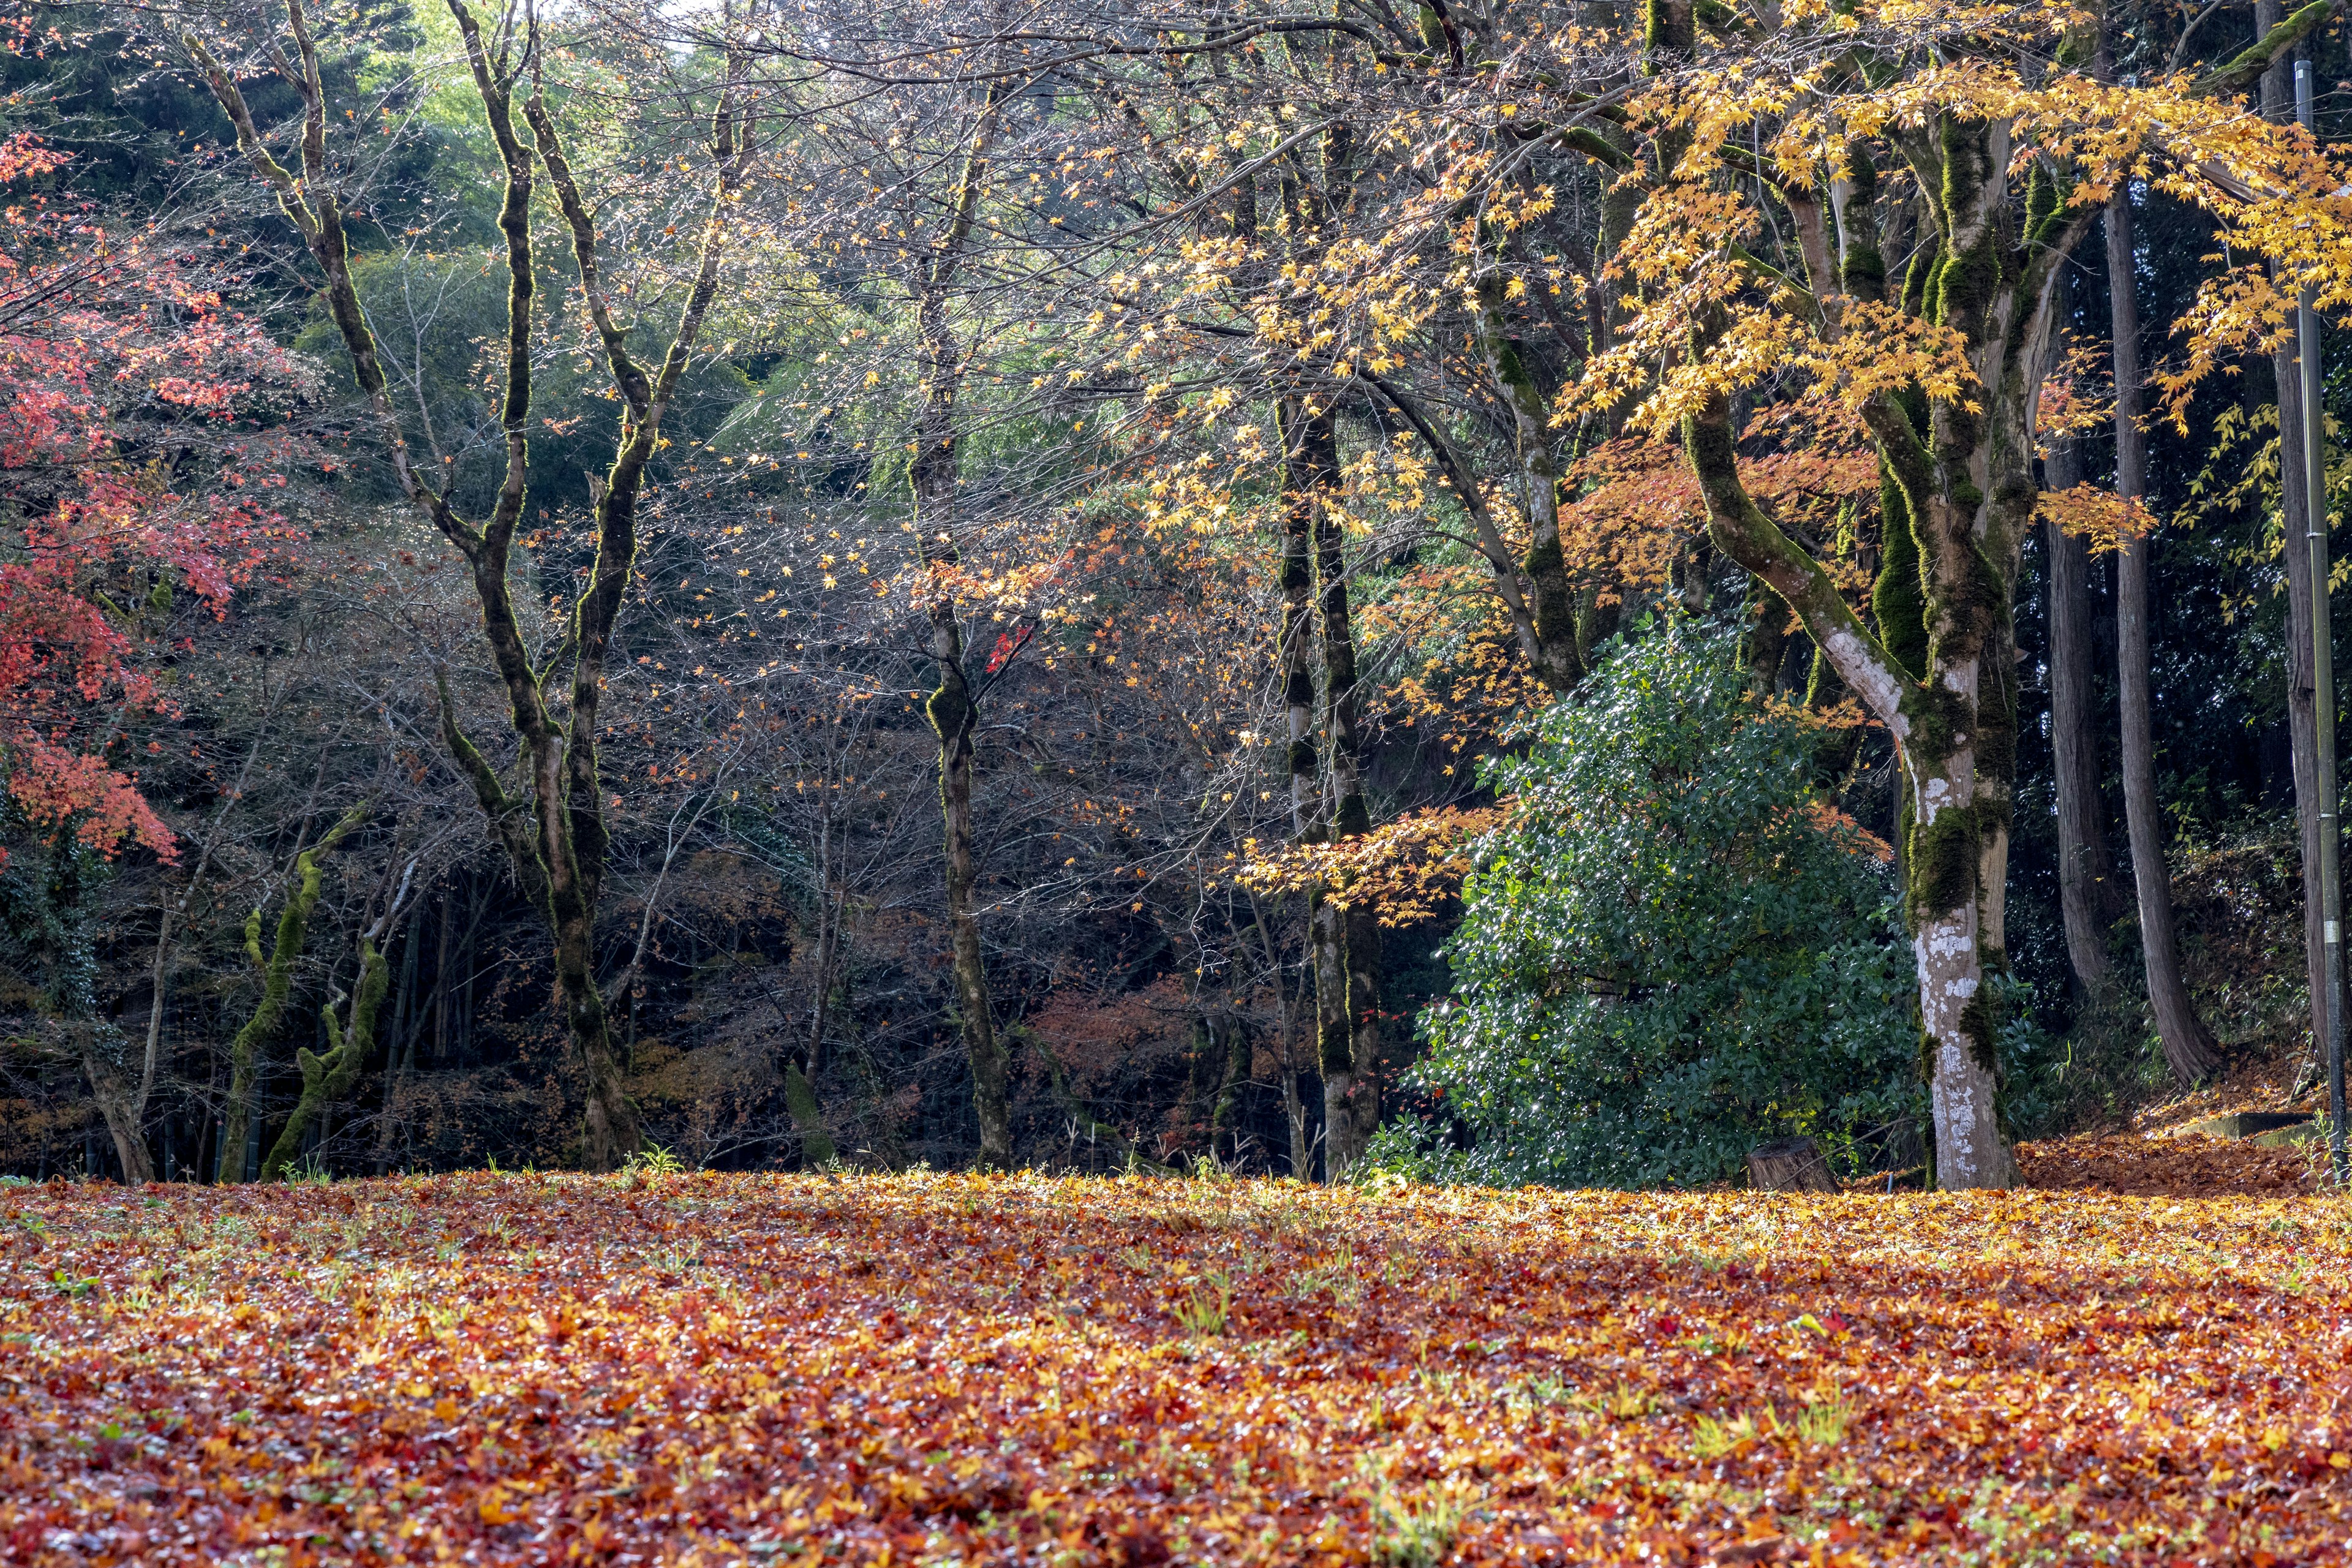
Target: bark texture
<point x="2087" y="886"/>
<point x="2090" y="895"/>
<point x="1967" y="494"/>
<point x="2189" y="1048"/>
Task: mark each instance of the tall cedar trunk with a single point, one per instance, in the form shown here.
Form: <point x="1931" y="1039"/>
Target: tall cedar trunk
<point x="1346" y="940"/>
<point x="2188" y="1048"/>
<point x="1968" y="493"/>
<point x="2088" y="887"/>
<point x="2294" y="488"/>
<point x="1296" y="658"/>
<point x="950" y="708"/>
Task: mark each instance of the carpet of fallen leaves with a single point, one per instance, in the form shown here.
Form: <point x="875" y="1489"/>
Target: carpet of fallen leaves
<point x="2187" y="1165"/>
<point x="724" y="1369"/>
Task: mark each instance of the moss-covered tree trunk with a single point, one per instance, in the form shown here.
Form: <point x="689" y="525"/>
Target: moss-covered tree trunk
<point x="277" y="986"/>
<point x="1551" y="597"/>
<point x="329" y="1078"/>
<point x="1968" y="493"/>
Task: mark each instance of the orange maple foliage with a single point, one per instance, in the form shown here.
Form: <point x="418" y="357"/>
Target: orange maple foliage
<point x="714" y="1369"/>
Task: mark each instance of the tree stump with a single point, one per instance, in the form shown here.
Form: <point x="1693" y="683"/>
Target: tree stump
<point x="1790" y="1165"/>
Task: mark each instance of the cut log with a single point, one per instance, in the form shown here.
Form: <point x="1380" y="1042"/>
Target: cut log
<point x="1790" y="1165"/>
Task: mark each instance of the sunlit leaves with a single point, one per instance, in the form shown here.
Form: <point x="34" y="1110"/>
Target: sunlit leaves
<point x="701" y="1368"/>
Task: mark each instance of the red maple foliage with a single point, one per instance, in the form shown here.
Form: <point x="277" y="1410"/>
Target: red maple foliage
<point x="139" y="449"/>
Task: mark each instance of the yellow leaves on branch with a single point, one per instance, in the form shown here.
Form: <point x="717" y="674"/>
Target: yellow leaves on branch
<point x="1752" y="327"/>
<point x="1717" y="321"/>
<point x="2091" y="512"/>
<point x="1401" y="871"/>
<point x="2067" y="403"/>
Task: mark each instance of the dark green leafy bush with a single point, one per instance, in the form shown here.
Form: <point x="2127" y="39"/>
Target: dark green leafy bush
<point x="1676" y="950"/>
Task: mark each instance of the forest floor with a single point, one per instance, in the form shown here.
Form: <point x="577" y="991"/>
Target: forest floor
<point x="714" y="1369"/>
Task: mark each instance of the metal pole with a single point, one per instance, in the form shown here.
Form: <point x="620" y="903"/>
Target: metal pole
<point x="2323" y="681"/>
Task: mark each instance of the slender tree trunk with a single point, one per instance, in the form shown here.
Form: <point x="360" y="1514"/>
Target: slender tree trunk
<point x="2087" y="886"/>
<point x="2303" y="723"/>
<point x="401" y="1054"/>
<point x="951" y="707"/>
<point x="1294" y="1108"/>
<point x="950" y="712"/>
<point x="828" y="944"/>
<point x="1296" y="657"/>
<point x="2189" y="1048"/>
<point x="1346" y="940"/>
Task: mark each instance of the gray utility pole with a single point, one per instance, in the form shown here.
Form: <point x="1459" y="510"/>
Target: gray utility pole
<point x="2322" y="680"/>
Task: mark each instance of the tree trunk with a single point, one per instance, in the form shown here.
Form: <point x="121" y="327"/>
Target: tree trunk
<point x="950" y="713"/>
<point x="1294" y="1108"/>
<point x="2087" y="886"/>
<point x="1224" y="1114"/>
<point x="950" y="708"/>
<point x="1327" y="941"/>
<point x="239" y="1119"/>
<point x="400" y="1054"/>
<point x="327" y="1077"/>
<point x="117" y="1098"/>
<point x="2188" y="1048"/>
<point x="1295" y="656"/>
<point x="829" y="910"/>
<point x="818" y="1147"/>
<point x="1968" y="491"/>
<point x="1347" y="939"/>
<point x="556" y="839"/>
<point x="2090" y="896"/>
<point x="2303" y="723"/>
<point x="1552" y="596"/>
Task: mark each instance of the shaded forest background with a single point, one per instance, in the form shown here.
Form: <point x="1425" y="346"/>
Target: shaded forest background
<point x="772" y="947"/>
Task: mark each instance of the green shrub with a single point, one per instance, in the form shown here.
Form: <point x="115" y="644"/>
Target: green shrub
<point x="1675" y="952"/>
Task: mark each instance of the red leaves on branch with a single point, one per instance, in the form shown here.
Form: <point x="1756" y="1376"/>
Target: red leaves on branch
<point x="132" y="463"/>
<point x="716" y="1369"/>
